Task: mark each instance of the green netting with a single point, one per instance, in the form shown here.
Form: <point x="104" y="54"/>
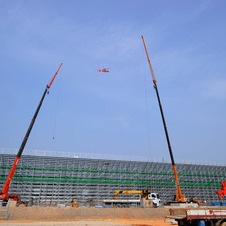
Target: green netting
<point x="103" y="180"/>
<point x="112" y="171"/>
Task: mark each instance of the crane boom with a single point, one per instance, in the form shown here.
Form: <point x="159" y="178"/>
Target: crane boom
<point x="144" y="193"/>
<point x="4" y="194"/>
<point x="179" y="196"/>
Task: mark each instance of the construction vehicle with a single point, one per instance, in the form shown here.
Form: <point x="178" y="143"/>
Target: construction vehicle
<point x="4" y="194"/>
<point x="179" y="197"/>
<point x="222" y="192"/>
<point x="200" y="216"/>
<point x="195" y="200"/>
<point x="146" y="199"/>
<point x="74" y="203"/>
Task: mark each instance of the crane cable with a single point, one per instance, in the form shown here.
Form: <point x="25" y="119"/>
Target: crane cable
<point x="56" y="112"/>
<point x="147" y="114"/>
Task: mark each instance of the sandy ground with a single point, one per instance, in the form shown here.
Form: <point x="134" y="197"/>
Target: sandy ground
<point x="107" y="222"/>
<point x="54" y="216"/>
<point x="70" y="223"/>
<point x="144" y="222"/>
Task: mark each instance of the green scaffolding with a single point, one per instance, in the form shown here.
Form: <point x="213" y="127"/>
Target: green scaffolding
<point x="105" y="180"/>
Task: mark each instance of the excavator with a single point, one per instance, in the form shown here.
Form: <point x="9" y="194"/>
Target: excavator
<point x="179" y="197"/>
<point x="4" y="194"/>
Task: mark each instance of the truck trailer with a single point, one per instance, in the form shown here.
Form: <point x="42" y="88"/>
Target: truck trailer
<point x="199" y="216"/>
<point x="146" y="200"/>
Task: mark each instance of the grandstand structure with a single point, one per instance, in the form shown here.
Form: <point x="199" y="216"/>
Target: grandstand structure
<point x="52" y="179"/>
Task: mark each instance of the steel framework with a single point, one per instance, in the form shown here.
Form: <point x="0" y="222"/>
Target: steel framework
<point x="58" y="179"/>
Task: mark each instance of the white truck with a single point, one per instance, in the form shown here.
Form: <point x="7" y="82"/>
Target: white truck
<point x="146" y="200"/>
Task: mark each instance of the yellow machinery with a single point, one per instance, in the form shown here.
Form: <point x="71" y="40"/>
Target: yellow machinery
<point x="74" y="203"/>
<point x="144" y="193"/>
<point x="146" y="199"/>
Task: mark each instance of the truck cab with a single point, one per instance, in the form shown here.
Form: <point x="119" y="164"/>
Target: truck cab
<point x="155" y="198"/>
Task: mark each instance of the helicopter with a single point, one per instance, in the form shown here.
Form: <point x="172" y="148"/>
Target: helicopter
<point x="103" y="70"/>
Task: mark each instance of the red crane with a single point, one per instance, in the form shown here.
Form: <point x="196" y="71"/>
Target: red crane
<point x="4" y="194"/>
<point x="222" y="192"/>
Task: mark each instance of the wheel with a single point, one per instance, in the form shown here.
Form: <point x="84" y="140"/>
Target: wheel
<point x="118" y="206"/>
<point x="185" y="223"/>
<point x="154" y="205"/>
<point x="211" y="223"/>
<point x="124" y="206"/>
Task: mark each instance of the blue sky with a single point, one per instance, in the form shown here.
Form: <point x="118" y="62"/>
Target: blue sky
<point x="116" y="112"/>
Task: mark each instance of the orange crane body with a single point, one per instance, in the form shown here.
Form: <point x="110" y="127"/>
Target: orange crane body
<point x="179" y="196"/>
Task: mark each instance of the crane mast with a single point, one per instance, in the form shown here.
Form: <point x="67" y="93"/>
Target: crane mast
<point x="179" y="196"/>
<point x="4" y="194"/>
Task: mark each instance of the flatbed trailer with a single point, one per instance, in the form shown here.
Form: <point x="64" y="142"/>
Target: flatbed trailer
<point x="199" y="216"/>
<point x="123" y="203"/>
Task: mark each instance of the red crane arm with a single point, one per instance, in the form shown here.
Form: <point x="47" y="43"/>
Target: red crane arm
<point x="51" y="82"/>
<point x="4" y="193"/>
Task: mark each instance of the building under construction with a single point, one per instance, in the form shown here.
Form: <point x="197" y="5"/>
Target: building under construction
<point x="45" y="179"/>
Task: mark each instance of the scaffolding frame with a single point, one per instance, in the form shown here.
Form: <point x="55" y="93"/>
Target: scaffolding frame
<point x="50" y="180"/>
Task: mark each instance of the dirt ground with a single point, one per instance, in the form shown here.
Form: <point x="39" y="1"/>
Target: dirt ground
<point x="32" y="216"/>
<point x="93" y="222"/>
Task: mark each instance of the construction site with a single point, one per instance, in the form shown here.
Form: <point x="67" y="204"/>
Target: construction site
<point x="56" y="180"/>
<point x="35" y="187"/>
<point x="47" y="181"/>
